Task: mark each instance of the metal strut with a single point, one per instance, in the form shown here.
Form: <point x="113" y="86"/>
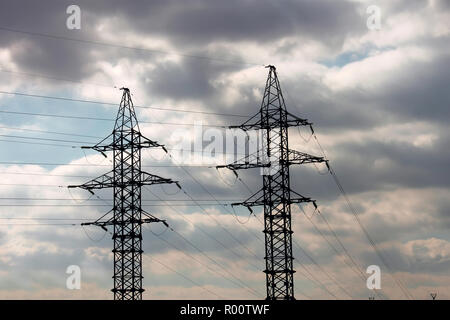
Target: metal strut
<point x="126" y="180"/>
<point x="276" y="195"/>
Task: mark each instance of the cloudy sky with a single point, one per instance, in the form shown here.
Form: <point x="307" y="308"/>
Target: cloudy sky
<point x="379" y="101"/>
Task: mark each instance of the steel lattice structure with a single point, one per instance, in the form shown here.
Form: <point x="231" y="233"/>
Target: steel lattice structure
<point x="126" y="180"/>
<point x="274" y="158"/>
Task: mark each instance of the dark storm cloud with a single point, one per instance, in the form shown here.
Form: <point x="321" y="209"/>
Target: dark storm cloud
<point x="419" y="93"/>
<point x="329" y="111"/>
<point x="408" y="166"/>
<point x="189" y="80"/>
<point x="443" y="211"/>
<point x="399" y="262"/>
<point x="186" y="24"/>
<point x="35" y="54"/>
<point x="200" y="22"/>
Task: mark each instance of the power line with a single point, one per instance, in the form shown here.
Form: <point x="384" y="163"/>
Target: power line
<point x="43" y="139"/>
<point x="39" y="143"/>
<point x="184" y="276"/>
<point x="96" y="165"/>
<point x="44" y="218"/>
<point x="316" y="281"/>
<point x="39" y="224"/>
<point x="186" y="240"/>
<point x="239" y="282"/>
<point x="214" y="198"/>
<point x="403" y="288"/>
<point x="102" y="205"/>
<point x="200" y="228"/>
<point x="89" y="199"/>
<point x="321" y="269"/>
<point x="28" y="74"/>
<point x="153" y="51"/>
<point x="44" y="174"/>
<point x="29" y="95"/>
<point x="31" y="185"/>
<point x="357" y="269"/>
<point x="200" y="206"/>
<point x="337" y="251"/>
<point x="104" y="119"/>
<point x="81" y="142"/>
<point x="52" y="132"/>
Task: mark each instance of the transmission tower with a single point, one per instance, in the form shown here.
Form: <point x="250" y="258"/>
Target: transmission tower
<point x="126" y="180"/>
<point x="274" y="158"/>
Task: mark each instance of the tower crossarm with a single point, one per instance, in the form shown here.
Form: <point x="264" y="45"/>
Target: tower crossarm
<point x="297" y="157"/>
<point x="291" y="121"/>
<point x="240" y="166"/>
<point x="104" y="181"/>
<point x="258" y="199"/>
<point x="107" y="181"/>
<point x="149" y="218"/>
<point x="102" y="223"/>
<point x="147" y="143"/>
<point x="149" y="179"/>
<point x="248" y="162"/>
<point x="137" y="141"/>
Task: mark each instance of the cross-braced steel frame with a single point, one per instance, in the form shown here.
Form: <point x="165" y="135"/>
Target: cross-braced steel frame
<point x="126" y="180"/>
<point x="274" y="158"/>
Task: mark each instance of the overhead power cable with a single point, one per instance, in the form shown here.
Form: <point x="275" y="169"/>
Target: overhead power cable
<point x="40" y="224"/>
<point x="351" y="267"/>
<point x="357" y="268"/>
<point x="183" y="216"/>
<point x="51" y="132"/>
<point x="105" y="119"/>
<point x="29" y="95"/>
<point x="402" y="287"/>
<point x="96" y="165"/>
<point x="205" y="211"/>
<point x="103" y="205"/>
<point x="44" y="76"/>
<point x="91" y="199"/>
<point x="236" y="280"/>
<point x="81" y="142"/>
<point x="120" y="46"/>
<point x="183" y="276"/>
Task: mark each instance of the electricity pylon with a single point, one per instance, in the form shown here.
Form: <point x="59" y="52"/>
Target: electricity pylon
<point x="274" y="159"/>
<point x="126" y="180"/>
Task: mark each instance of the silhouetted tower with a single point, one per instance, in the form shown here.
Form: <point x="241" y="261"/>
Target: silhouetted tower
<point x="126" y="180"/>
<point x="274" y="158"/>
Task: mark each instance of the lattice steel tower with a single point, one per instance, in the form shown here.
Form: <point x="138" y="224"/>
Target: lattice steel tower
<point x="126" y="180"/>
<point x="274" y="158"/>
